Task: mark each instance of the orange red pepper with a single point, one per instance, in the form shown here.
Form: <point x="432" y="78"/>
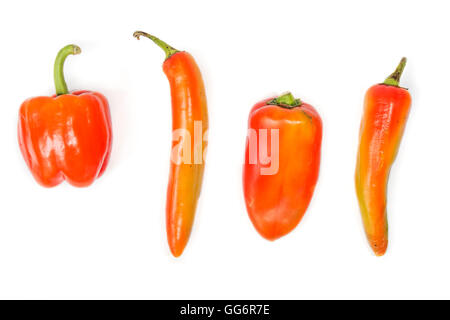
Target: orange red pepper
<point x="282" y="160"/>
<point x="67" y="136"/>
<point x="189" y="124"/>
<point x="386" y="109"/>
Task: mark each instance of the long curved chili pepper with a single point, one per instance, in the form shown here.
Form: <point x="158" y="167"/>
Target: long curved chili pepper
<point x="67" y="136"/>
<point x="190" y="123"/>
<point x="386" y="109"/>
<point x="282" y="160"/>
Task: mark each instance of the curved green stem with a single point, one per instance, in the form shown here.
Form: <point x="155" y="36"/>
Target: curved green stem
<point x="168" y="50"/>
<point x="60" y="83"/>
<point x="394" y="78"/>
<point x="286" y="100"/>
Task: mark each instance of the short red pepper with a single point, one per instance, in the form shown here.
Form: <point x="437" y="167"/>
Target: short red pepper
<point x="282" y="160"/>
<point x="67" y="136"/>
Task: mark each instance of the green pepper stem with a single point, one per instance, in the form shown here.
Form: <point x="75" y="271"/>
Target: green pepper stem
<point x="286" y="100"/>
<point x="168" y="50"/>
<point x="60" y="83"/>
<point x="394" y="78"/>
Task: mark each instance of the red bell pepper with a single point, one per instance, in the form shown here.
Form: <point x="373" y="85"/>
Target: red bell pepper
<point x="67" y="136"/>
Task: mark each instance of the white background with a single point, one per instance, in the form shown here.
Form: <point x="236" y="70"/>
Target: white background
<point x="108" y="241"/>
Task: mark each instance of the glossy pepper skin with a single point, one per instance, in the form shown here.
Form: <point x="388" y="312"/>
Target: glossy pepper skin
<point x="189" y="114"/>
<point x="386" y="109"/>
<point x="276" y="201"/>
<point x="67" y="136"/>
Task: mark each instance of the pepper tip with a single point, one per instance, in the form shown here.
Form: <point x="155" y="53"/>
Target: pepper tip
<point x="379" y="246"/>
<point x="176" y="252"/>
